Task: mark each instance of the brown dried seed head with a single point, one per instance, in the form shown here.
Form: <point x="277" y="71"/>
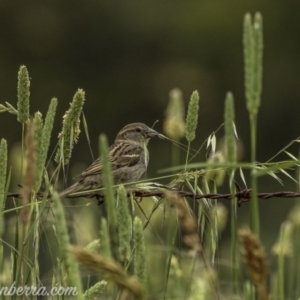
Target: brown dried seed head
<point x="255" y="259"/>
<point x="111" y="270"/>
<point x="186" y="220"/>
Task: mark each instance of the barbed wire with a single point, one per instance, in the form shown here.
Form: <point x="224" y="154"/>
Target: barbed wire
<point x="242" y="195"/>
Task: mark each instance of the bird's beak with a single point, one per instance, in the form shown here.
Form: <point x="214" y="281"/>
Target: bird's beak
<point x="151" y="133"/>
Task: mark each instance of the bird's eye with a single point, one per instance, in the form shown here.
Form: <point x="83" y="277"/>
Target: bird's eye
<point x="138" y="129"/>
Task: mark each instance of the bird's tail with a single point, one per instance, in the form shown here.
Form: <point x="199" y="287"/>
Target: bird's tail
<point x="71" y="189"/>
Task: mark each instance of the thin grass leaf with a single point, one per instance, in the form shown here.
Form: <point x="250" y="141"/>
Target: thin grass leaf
<point x="214" y="238"/>
<point x="208" y="142"/>
<point x="2" y="108"/>
<point x="207" y="189"/>
<point x="85" y="126"/>
<point x="264" y="170"/>
<point x="7" y="186"/>
<point x="235" y="131"/>
<point x="288" y="175"/>
<point x="213" y="143"/>
<point x="283" y="149"/>
<point x="272" y="174"/>
<point x="178" y="144"/>
<point x="201" y="219"/>
<point x="274" y="167"/>
<point x="48" y="126"/>
<point x="243" y="177"/>
<point x="38" y="214"/>
<point x="86" y="130"/>
<point x="291" y="156"/>
<point x="154" y="208"/>
<point x="3" y="170"/>
<point x="10" y="109"/>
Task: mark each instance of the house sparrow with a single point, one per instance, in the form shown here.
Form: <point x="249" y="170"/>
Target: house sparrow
<point x="128" y="157"/>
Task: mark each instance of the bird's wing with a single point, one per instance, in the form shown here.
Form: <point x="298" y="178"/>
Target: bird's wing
<point x="120" y="155"/>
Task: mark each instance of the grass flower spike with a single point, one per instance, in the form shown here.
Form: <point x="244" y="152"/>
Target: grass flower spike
<point x="23" y="94"/>
<point x="192" y="117"/>
<point x="70" y="132"/>
<point x="174" y="125"/>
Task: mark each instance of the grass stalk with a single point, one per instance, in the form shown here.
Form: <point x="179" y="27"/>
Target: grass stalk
<point x="104" y="239"/>
<point x="139" y="251"/>
<point x="191" y="122"/>
<point x="253" y="52"/>
<point x="26" y="198"/>
<point x="231" y="158"/>
<point x="297" y="260"/>
<point x="280" y="274"/>
<point x="124" y="226"/>
<point x="254" y="206"/>
<point x="108" y="183"/>
<point x="172" y="234"/>
<point x="71" y="267"/>
<point x="233" y="229"/>
<point x="283" y="249"/>
<point x="38" y="135"/>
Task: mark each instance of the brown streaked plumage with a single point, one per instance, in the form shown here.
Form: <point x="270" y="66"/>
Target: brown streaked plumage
<point x="128" y="157"/>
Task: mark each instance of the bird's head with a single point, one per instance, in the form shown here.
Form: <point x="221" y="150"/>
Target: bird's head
<point x="137" y="132"/>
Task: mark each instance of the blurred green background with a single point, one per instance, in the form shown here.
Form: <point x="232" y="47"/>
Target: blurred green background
<point x="127" y="56"/>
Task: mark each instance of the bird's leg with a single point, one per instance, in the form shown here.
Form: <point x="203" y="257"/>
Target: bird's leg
<point x="100" y="199"/>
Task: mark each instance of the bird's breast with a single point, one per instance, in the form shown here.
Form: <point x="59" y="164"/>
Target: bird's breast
<point x="146" y="156"/>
